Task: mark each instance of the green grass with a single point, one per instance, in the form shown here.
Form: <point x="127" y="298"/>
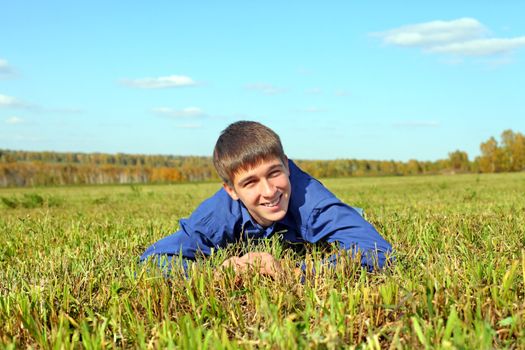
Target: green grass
<point x="69" y="276"/>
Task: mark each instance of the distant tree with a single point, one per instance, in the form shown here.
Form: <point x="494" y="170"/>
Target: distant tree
<point x="458" y="161"/>
<point x="509" y="156"/>
<point x="490" y="160"/>
<point x="513" y="145"/>
<point x="25" y="168"/>
<point x="413" y="167"/>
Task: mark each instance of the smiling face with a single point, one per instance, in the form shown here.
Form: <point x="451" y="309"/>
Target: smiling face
<point x="264" y="190"/>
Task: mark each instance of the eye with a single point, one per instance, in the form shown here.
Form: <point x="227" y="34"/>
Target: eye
<point x="248" y="183"/>
<point x="275" y="173"/>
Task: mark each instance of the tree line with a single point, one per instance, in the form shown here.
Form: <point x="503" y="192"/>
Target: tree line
<point x="24" y="168"/>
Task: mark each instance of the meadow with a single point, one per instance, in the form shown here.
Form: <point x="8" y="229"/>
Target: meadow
<point x="69" y="276"/>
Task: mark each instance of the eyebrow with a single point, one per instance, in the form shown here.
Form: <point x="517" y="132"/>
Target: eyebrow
<point x="245" y="180"/>
<point x="251" y="177"/>
<point x="275" y="166"/>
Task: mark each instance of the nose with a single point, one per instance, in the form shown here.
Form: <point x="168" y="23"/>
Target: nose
<point x="267" y="188"/>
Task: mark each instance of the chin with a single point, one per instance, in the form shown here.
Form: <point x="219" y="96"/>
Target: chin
<point x="277" y="216"/>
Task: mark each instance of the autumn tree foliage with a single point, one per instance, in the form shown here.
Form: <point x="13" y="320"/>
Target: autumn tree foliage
<point x="508" y="155"/>
<point x="21" y="168"/>
<point x="458" y="161"/>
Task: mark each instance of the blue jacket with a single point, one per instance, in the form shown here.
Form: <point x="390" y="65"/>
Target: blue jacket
<point x="314" y="214"/>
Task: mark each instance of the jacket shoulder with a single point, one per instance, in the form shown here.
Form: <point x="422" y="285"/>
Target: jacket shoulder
<point x="307" y="193"/>
<point x="215" y="218"/>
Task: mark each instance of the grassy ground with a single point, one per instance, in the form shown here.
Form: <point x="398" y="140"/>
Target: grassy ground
<point x="69" y="276"/>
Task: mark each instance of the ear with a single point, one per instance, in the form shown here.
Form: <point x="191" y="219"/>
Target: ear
<point x="231" y="191"/>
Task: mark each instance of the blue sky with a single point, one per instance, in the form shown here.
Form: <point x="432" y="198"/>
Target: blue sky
<point x="336" y="79"/>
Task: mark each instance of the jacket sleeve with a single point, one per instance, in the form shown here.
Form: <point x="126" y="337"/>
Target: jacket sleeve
<point x="210" y="226"/>
<point x="334" y="221"/>
<point x="179" y="247"/>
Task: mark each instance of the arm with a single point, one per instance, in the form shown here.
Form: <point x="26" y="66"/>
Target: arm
<point x="210" y="226"/>
<point x="334" y="221"/>
<point x="178" y="248"/>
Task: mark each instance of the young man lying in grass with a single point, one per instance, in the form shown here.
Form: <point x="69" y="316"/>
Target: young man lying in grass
<point x="263" y="193"/>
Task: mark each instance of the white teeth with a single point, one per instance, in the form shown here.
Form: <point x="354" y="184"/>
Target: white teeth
<point x="272" y="204"/>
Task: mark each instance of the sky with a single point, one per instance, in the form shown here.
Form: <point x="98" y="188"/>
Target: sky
<point x="378" y="80"/>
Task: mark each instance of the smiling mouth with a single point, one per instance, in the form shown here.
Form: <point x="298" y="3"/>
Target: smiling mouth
<point x="274" y="202"/>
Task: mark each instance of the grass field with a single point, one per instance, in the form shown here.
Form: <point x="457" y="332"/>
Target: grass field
<point x="69" y="276"/>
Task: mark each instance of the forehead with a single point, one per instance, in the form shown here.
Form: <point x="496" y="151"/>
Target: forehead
<point x="257" y="169"/>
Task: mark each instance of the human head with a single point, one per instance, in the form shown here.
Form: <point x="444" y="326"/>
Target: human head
<point x="250" y="159"/>
<point x="243" y="145"/>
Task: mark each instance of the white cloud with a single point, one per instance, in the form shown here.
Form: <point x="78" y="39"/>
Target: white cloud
<point x="6" y="71"/>
<point x="461" y="37"/>
<point x="188" y="112"/>
<point x="9" y="101"/>
<point x="14" y="120"/>
<point x="160" y="82"/>
<point x="481" y="47"/>
<point x="13" y="102"/>
<point x="264" y="88"/>
<point x="432" y="33"/>
<point x="417" y="123"/>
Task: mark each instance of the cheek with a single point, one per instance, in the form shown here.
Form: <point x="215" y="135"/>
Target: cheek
<point x="284" y="183"/>
<point x="250" y="196"/>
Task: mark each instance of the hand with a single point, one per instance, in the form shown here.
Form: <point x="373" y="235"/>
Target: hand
<point x="235" y="263"/>
<point x="264" y="262"/>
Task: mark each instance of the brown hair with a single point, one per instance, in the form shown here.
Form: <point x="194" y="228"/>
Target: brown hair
<point x="245" y="144"/>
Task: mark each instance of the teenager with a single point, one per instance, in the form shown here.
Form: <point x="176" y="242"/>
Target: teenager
<point x="264" y="193"/>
